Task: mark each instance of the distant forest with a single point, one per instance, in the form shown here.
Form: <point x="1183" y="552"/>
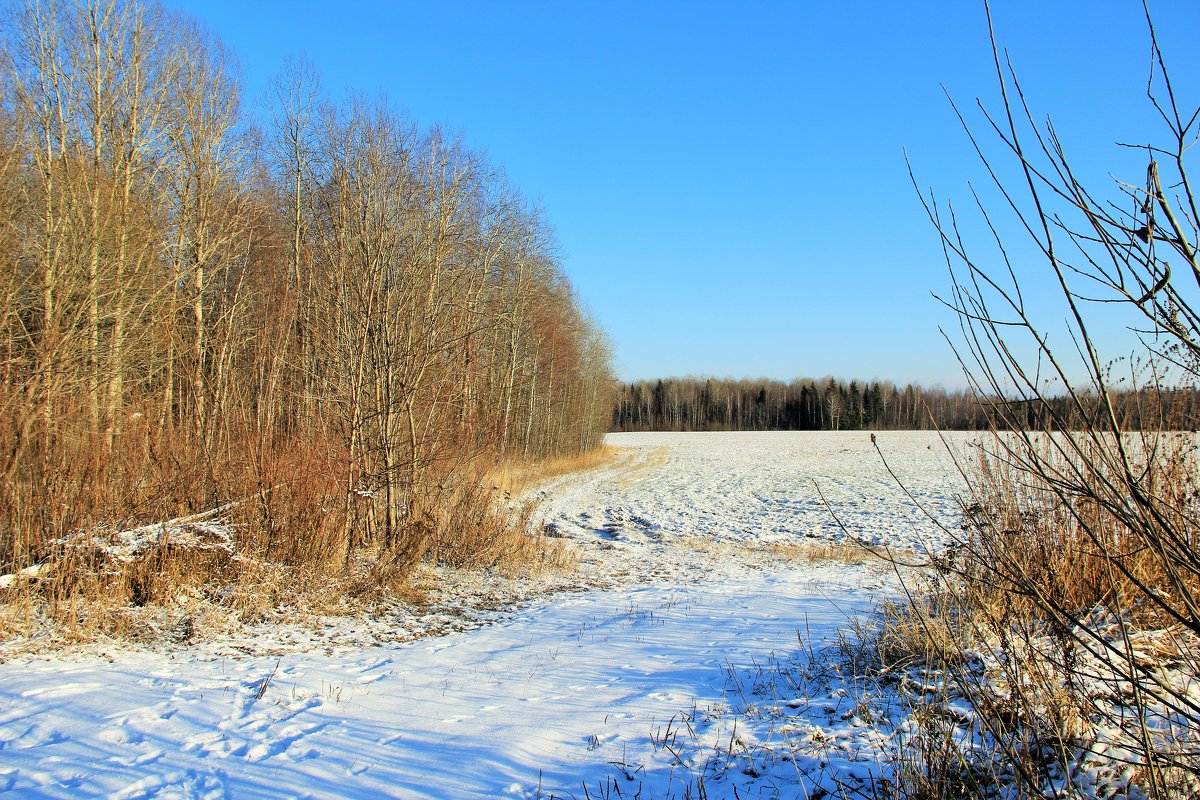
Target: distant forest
<point x="707" y="404"/>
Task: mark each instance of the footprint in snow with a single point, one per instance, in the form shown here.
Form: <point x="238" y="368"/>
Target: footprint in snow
<point x="358" y="669"/>
<point x="11" y="734"/>
<point x="120" y="735"/>
<point x="374" y="678"/>
<point x="139" y="760"/>
<point x="286" y="747"/>
<point x="457" y="718"/>
<point x="182" y="783"/>
<point x="159" y="711"/>
<point x="39" y="737"/>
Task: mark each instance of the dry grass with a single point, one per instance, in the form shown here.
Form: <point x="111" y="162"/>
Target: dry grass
<point x="818" y="550"/>
<point x="657" y="458"/>
<point x="471" y="530"/>
<point x="515" y="478"/>
<point x="291" y="538"/>
<point x="1061" y="619"/>
<point x="1075" y="534"/>
<point x="802" y="551"/>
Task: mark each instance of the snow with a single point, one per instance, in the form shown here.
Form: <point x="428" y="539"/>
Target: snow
<point x="687" y="647"/>
<point x="772" y="488"/>
<point x="196" y="533"/>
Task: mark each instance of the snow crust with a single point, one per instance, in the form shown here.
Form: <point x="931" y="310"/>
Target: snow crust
<point x="685" y="648"/>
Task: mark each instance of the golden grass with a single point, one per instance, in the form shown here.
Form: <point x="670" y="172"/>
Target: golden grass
<point x="806" y="551"/>
<point x="657" y="458"/>
<point x="1072" y="535"/>
<point x="514" y="478"/>
<point x="291" y="553"/>
<point x="811" y="550"/>
<point x="1057" y="602"/>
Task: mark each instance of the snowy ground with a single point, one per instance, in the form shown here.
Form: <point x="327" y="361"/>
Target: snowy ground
<point x="692" y="651"/>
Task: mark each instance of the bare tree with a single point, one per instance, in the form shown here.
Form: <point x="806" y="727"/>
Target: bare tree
<point x="368" y="305"/>
<point x="208" y="208"/>
<point x="296" y="102"/>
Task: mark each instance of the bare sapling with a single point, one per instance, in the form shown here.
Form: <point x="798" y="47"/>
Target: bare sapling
<point x="1068" y="611"/>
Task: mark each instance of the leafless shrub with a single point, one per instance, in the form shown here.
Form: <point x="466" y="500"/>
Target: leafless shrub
<point x="1068" y="613"/>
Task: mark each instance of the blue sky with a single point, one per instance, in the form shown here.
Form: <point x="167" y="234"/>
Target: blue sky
<point x="727" y="180"/>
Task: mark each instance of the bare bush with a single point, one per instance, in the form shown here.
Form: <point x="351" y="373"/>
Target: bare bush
<point x="1067" y="615"/>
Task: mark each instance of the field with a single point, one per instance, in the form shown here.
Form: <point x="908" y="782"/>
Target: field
<point x="706" y="639"/>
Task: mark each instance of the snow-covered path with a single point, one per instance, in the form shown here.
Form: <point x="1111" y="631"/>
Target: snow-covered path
<point x="573" y="691"/>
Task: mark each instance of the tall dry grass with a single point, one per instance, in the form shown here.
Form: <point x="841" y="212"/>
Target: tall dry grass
<point x="515" y="478"/>
<point x="141" y="540"/>
<point x="1068" y="617"/>
<point x="1064" y="619"/>
<point x="1075" y="520"/>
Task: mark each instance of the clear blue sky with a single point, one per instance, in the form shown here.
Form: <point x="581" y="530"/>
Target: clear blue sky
<point x="727" y="179"/>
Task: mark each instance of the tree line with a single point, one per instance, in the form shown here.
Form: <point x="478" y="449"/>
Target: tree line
<point x="196" y="308"/>
<point x="830" y="404"/>
<point x="710" y="404"/>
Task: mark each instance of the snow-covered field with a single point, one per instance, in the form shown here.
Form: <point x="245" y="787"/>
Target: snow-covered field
<point x="691" y="649"/>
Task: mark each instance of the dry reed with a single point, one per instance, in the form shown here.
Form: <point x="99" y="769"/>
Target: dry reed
<point x="144" y="545"/>
<point x="1057" y="618"/>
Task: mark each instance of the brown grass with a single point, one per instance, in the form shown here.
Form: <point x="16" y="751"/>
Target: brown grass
<point x="514" y="478"/>
<point x="1057" y="619"/>
<point x="281" y="535"/>
<point x="819" y="550"/>
<point x="470" y="529"/>
<point x="806" y="551"/>
<point x="1073" y="537"/>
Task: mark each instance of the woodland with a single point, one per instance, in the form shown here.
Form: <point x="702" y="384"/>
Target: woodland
<point x="312" y="315"/>
<point x="830" y="404"/>
<point x="707" y="404"/>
